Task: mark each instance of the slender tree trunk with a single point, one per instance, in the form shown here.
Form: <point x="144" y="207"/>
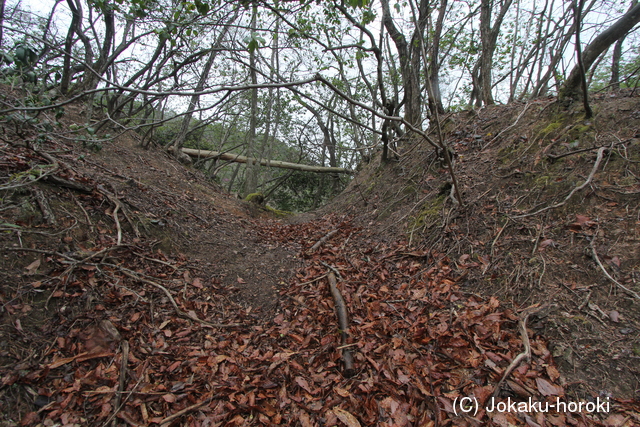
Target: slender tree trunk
<point x="251" y="170"/>
<point x="489" y="38"/>
<point x="74" y="28"/>
<point x="2" y="4"/>
<point x="435" y="100"/>
<point x="204" y="76"/>
<point x="409" y="62"/>
<point x="571" y="87"/>
<point x="615" y="60"/>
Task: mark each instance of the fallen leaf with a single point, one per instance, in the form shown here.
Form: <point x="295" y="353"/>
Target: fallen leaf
<point x="170" y="398"/>
<point x="346" y="417"/>
<point x="614" y="316"/>
<point x="304" y="384"/>
<point x="31" y="268"/>
<point x="547" y="389"/>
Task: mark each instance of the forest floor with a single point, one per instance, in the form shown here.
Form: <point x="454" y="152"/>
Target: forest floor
<point x="134" y="291"/>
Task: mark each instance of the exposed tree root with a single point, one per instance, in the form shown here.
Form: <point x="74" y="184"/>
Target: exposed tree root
<point x="606" y="273"/>
<point x="575" y="190"/>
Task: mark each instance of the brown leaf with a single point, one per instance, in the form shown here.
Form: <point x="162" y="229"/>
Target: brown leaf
<point x="304" y="384"/>
<point x="614" y="316"/>
<point x="545" y="243"/>
<point x="169" y="397"/>
<point x="616" y="420"/>
<point x="553" y="372"/>
<point x="346" y="417"/>
<point x="197" y="282"/>
<point x="341" y="391"/>
<point x="31" y="268"/>
<point x="547" y="389"/>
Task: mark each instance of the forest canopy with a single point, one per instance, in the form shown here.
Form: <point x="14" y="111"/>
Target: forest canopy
<point x="306" y="82"/>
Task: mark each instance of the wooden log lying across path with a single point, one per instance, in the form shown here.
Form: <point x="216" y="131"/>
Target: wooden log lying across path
<point x="204" y="154"/>
<point x="343" y="321"/>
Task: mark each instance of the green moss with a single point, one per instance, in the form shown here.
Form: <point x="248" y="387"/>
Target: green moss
<point x="278" y="212"/>
<point x="429" y="214"/>
<point x="550" y="128"/>
<point x="257" y="198"/>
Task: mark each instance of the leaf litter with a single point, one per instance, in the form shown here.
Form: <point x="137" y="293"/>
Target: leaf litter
<point x="420" y="344"/>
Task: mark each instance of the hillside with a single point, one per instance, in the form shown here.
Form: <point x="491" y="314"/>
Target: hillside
<point x="136" y="292"/>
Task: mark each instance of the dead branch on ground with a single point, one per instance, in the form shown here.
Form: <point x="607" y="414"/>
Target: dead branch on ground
<point x="324" y="239"/>
<point x="526" y="354"/>
<point x="343" y="321"/>
<point x="123" y="377"/>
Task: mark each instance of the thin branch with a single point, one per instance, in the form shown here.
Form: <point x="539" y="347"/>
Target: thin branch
<point x="526" y="353"/>
<point x="575" y="190"/>
<point x="606" y="273"/>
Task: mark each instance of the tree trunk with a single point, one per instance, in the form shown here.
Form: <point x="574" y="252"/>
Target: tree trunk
<point x="409" y="63"/>
<point x="205" y="154"/>
<point x="2" y="4"/>
<point x="251" y="171"/>
<point x="571" y="88"/>
<point x="489" y="38"/>
<point x="615" y="60"/>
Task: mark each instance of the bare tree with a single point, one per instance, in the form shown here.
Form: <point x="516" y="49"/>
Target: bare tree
<point x="571" y="88"/>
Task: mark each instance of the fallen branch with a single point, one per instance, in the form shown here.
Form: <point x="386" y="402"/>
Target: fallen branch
<point x="43" y="203"/>
<point x="343" y="322"/>
<point x="575" y="190"/>
<point x="324" y="239"/>
<point x="606" y="273"/>
<point x="181" y="313"/>
<point x="123" y="376"/>
<point x="205" y="154"/>
<point x="172" y="418"/>
<point x="526" y="353"/>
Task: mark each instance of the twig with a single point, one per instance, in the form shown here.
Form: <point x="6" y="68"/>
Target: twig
<point x="343" y="321"/>
<point x="86" y="215"/>
<point x="332" y="268"/>
<point x="526" y="353"/>
<point x="324" y="239"/>
<point x="123" y="376"/>
<point x="314" y="280"/>
<point x="508" y="127"/>
<point x="181" y="313"/>
<point x="172" y="418"/>
<point x="159" y="261"/>
<point x="576" y="189"/>
<point x="498" y="235"/>
<point x="43" y="203"/>
<point x="606" y="273"/>
<point x="570" y="153"/>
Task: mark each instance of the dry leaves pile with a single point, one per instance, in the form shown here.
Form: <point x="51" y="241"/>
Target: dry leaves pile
<point x="419" y="342"/>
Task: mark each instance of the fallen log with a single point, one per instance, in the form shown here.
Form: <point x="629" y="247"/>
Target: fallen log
<point x="206" y="154"/>
<point x="324" y="239"/>
<point x="343" y="322"/>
